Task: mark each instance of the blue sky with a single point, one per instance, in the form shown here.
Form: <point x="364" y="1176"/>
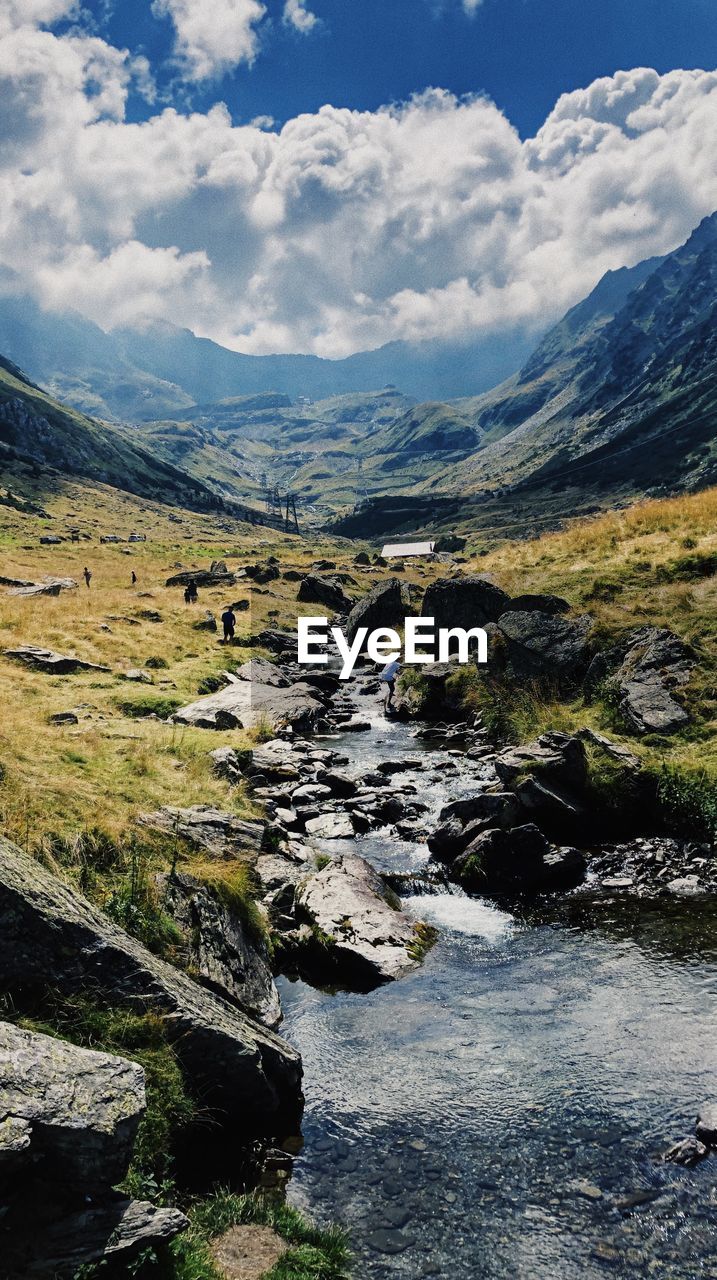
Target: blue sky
<point x="364" y="53"/>
<point x="331" y="175"/>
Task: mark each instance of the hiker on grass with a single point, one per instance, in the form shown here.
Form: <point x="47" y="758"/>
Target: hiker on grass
<point x="134" y="578"/>
<point x="229" y="621"/>
<point x="191" y="595"/>
<point x="87" y="575"/>
<point x="389" y="676"/>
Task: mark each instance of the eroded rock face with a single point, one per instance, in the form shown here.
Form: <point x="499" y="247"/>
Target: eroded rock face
<point x="228" y="956"/>
<point x="385" y="605"/>
<point x="47" y="660"/>
<point x="52" y="935"/>
<point x="644" y="671"/>
<point x="72" y="1113"/>
<point x="220" y="834"/>
<point x="369" y="940"/>
<point x="464" y="602"/>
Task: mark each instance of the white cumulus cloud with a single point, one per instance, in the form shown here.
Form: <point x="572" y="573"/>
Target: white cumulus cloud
<point x="212" y="36"/>
<point x="342" y="229"/>
<point x="298" y="16"/>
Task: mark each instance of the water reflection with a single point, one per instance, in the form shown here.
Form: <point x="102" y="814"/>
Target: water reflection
<point x="499" y="1112"/>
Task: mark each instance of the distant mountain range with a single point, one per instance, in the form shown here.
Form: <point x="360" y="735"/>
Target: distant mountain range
<point x="618" y="399"/>
<point x="623" y="392"/>
<point x="134" y="375"/>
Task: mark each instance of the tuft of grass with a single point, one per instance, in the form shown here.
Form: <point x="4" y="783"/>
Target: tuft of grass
<point x="314" y="1253"/>
<point x="687" y="801"/>
<point x="233" y="882"/>
<point x="424" y="937"/>
<point x="149" y="704"/>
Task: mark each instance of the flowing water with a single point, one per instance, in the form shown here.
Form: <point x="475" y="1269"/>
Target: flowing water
<point x="501" y="1111"/>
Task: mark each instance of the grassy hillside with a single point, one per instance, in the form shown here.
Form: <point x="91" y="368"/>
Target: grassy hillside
<point x="41" y="437"/>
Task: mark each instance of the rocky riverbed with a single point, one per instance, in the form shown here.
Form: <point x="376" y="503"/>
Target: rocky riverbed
<point x="505" y="1108"/>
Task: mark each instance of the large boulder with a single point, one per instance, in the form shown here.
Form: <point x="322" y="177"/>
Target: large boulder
<point x="221" y="835"/>
<point x="226" y="953"/>
<point x="68" y="1119"/>
<point x="203" y="578"/>
<point x="326" y="591"/>
<point x="60" y="664"/>
<point x="244" y="704"/>
<point x="558" y="758"/>
<point x="464" y="602"/>
<point x="367" y="938"/>
<point x="516" y="862"/>
<point x="384" y="606"/>
<point x="78" y="1110"/>
<point x="545" y="645"/>
<point x="53" y="937"/>
<point x="643" y="671"/>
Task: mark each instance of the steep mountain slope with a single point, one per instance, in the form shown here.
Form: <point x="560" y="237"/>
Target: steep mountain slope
<point x="136" y="374"/>
<point x="39" y="434"/>
<point x="624" y="403"/>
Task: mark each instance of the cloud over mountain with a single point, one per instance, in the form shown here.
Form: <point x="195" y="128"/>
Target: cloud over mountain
<point x="343" y="229"/>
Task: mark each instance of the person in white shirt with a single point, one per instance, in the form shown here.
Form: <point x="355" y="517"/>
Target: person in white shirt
<point x="389" y="675"/>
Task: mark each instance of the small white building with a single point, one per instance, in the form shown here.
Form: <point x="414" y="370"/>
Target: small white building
<point x="404" y="550"/>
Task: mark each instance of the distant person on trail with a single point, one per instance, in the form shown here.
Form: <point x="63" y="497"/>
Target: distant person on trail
<point x="87" y="575"/>
<point x="191" y="595"/>
<point x="134" y="578"/>
<point x="389" y="676"/>
<point x="229" y="621"/>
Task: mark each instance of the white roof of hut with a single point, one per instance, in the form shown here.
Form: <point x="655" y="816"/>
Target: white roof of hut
<point x="403" y="549"/>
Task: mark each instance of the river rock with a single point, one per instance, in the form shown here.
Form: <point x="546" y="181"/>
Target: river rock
<point x="220" y="834"/>
<point x="516" y="861"/>
<point x="78" y="1109"/>
<point x="330" y="826"/>
<point x="247" y="703"/>
<point x="688" y="1152"/>
<point x="315" y="589"/>
<point x="229" y="956"/>
<point x="230" y="764"/>
<point x="53" y="936"/>
<point x="464" y="602"/>
<point x="47" y="660"/>
<point x="543" y="644"/>
<point x="384" y="606"/>
<point x="370" y="940"/>
<point x="339" y="784"/>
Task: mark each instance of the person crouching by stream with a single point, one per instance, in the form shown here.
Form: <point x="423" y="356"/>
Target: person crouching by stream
<point x="389" y="676"/>
<point x="229" y="622"/>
